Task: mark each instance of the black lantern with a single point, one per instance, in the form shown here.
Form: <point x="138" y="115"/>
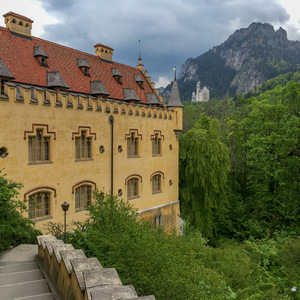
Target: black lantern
<point x="65" y="207"/>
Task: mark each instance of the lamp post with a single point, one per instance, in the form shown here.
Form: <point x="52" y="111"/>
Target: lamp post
<point x="65" y="207"/>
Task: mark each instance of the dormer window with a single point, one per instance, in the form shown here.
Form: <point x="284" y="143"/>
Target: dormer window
<point x="138" y="79"/>
<point x="117" y="75"/>
<point x="40" y="55"/>
<point x="84" y="66"/>
<point x="98" y="90"/>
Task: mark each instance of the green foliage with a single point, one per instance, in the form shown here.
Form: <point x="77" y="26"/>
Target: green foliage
<point x="263" y="137"/>
<point x="203" y="169"/>
<point x="184" y="267"/>
<point x="14" y="228"/>
<point x="144" y="256"/>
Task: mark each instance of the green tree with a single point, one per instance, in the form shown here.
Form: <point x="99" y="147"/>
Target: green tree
<point x="15" y="229"/>
<point x="264" y="185"/>
<point x="203" y="171"/>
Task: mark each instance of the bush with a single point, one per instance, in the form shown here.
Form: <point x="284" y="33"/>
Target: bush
<point x="15" y="229"/>
<point x="144" y="256"/>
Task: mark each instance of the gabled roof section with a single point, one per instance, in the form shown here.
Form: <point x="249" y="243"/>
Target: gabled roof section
<point x="97" y="88"/>
<point x="54" y="79"/>
<point x="129" y="95"/>
<point x="82" y="63"/>
<point x="175" y="100"/>
<point x="39" y="51"/>
<point x="4" y="72"/>
<point x="152" y="98"/>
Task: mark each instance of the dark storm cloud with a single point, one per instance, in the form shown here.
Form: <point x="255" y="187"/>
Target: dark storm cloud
<point x="170" y="30"/>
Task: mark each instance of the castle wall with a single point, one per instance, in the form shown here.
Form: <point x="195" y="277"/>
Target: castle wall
<point x="22" y="113"/>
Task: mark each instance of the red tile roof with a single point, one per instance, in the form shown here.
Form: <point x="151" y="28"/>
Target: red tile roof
<point x="17" y="55"/>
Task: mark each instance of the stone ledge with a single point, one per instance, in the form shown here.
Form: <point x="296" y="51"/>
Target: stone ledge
<point x="74" y="276"/>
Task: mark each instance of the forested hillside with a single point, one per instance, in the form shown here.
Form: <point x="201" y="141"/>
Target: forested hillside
<point x="248" y="58"/>
<point x="260" y="137"/>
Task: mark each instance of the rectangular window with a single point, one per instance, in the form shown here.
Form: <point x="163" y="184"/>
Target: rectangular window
<point x="132" y="145"/>
<point x="83" y="145"/>
<point x="2" y="86"/>
<point x="38" y="147"/>
<point x="156" y="145"/>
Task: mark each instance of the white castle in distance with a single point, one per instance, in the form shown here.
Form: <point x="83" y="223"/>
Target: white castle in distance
<point x="200" y="95"/>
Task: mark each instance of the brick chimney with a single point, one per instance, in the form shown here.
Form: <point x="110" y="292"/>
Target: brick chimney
<point x="104" y="52"/>
<point x="18" y="24"/>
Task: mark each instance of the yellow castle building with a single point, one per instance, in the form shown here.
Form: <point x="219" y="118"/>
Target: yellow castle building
<point x="72" y="122"/>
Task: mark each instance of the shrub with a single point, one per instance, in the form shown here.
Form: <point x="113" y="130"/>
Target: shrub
<point x="15" y="229"/>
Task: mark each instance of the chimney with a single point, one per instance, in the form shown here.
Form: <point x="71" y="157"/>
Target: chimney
<point x="104" y="52"/>
<point x="18" y="24"/>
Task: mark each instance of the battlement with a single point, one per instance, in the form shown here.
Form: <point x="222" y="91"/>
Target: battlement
<point x="74" y="276"/>
<point x="33" y="95"/>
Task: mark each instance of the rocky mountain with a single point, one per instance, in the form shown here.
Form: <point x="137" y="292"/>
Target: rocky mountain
<point x="244" y="61"/>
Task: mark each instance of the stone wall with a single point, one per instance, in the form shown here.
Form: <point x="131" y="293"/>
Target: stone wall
<point x="74" y="276"/>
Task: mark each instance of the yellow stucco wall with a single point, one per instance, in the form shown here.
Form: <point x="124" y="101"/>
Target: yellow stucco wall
<point x="64" y="172"/>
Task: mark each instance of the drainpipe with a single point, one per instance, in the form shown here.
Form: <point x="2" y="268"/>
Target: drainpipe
<point x="111" y="120"/>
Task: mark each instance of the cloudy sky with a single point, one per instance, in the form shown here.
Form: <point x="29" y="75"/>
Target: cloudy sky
<point x="170" y="31"/>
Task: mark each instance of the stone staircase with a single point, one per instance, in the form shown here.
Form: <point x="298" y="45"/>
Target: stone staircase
<point x="21" y="277"/>
<point x="53" y="270"/>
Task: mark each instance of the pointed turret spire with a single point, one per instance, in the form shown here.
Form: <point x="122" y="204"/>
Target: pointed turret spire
<point x="140" y="66"/>
<point x="175" y="100"/>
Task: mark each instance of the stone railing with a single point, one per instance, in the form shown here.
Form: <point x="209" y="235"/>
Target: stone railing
<point x="74" y="276"/>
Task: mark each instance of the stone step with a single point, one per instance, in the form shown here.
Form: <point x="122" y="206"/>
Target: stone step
<point x="11" y="268"/>
<point x="24" y="289"/>
<point x="6" y="263"/>
<point x="47" y="296"/>
<point x="18" y="277"/>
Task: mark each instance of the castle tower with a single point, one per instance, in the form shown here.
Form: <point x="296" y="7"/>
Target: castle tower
<point x="176" y="104"/>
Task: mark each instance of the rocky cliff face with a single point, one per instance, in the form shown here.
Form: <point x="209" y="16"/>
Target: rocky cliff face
<point x="245" y="60"/>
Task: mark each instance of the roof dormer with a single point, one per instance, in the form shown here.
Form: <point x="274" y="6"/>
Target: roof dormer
<point x="117" y="75"/>
<point x="84" y="66"/>
<point x="56" y="82"/>
<point x="98" y="90"/>
<point x="130" y="96"/>
<point x="18" y="24"/>
<point x="104" y="52"/>
<point x="139" y="80"/>
<point x="40" y="55"/>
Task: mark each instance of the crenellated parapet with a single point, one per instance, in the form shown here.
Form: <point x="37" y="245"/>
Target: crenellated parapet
<point x="33" y="95"/>
<point x="74" y="276"/>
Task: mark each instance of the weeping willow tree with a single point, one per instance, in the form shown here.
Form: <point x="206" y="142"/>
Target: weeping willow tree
<point x="203" y="169"/>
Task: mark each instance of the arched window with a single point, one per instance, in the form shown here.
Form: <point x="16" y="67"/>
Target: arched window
<point x="21" y="23"/>
<point x="83" y="196"/>
<point x="39" y="205"/>
<point x="156" y="183"/>
<point x="133" y="187"/>
<point x="158" y="220"/>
